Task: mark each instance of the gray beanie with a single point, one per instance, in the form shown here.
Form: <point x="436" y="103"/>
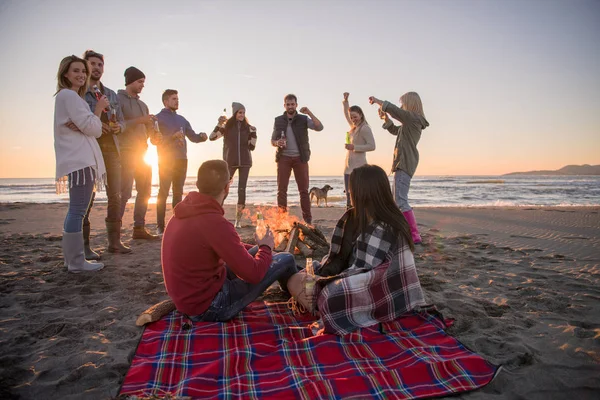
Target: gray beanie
<point x="235" y="107"/>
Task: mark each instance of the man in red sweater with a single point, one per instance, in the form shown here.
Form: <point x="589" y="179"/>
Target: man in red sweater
<point x="209" y="273"/>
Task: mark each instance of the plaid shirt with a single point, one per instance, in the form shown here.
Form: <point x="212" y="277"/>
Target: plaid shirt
<point x="380" y="285"/>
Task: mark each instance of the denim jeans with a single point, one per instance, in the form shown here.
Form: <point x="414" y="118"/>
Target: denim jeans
<point x="133" y="168"/>
<point x="401" y="186"/>
<point x="81" y="187"/>
<point x="242" y="182"/>
<point x="285" y="165"/>
<point x="346" y="183"/>
<point x="236" y="294"/>
<point x="169" y="171"/>
<point x="112" y="161"/>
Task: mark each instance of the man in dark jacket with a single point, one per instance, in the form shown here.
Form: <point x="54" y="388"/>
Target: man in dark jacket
<point x="290" y="136"/>
<point x="172" y="153"/>
<point x="209" y="273"/>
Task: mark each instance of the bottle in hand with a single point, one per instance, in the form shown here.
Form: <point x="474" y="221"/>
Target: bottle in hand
<point x="282" y="140"/>
<point x="261" y="227"/>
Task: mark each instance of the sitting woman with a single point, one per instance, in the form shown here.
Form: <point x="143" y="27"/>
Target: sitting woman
<point x="369" y="275"/>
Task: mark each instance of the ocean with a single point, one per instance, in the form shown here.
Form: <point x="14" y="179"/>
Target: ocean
<point x="425" y="191"/>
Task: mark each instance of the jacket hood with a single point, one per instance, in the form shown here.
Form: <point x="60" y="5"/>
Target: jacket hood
<point x="421" y="120"/>
<point x="123" y="92"/>
<point x="196" y="204"/>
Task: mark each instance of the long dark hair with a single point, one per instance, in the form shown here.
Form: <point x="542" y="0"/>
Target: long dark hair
<point x="233" y="120"/>
<point x="372" y="197"/>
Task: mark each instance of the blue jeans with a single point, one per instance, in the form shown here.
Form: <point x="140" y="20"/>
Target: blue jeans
<point x="401" y="186"/>
<point x="236" y="294"/>
<point x="346" y="183"/>
<point x="133" y="168"/>
<point x="81" y="187"/>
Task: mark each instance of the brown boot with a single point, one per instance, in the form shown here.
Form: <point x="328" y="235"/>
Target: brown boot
<point x="87" y="250"/>
<point x="238" y="215"/>
<point x="113" y="229"/>
<point x="140" y="232"/>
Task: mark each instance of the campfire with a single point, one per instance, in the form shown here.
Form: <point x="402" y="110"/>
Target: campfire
<point x="293" y="236"/>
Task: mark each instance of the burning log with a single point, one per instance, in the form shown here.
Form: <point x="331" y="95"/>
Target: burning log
<point x="282" y="245"/>
<point x="318" y="238"/>
<point x="304" y="249"/>
<point x="292" y="240"/>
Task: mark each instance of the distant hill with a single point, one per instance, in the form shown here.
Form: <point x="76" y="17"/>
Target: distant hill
<point x="585" y="169"/>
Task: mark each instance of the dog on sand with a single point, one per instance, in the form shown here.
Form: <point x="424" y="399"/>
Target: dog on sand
<point x="320" y="194"/>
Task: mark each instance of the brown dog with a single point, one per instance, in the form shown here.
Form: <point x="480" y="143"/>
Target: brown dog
<point x="320" y="194"/>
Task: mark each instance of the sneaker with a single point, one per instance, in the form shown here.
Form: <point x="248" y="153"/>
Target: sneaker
<point x="160" y="231"/>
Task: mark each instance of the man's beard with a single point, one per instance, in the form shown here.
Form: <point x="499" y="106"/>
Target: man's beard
<point x="92" y="77"/>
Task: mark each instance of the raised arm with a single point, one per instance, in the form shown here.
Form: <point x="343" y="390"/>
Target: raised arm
<point x="347" y="109"/>
<point x="396" y="112"/>
<point x="313" y="122"/>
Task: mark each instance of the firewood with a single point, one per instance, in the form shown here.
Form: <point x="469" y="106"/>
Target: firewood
<point x="309" y="232"/>
<point x="304" y="249"/>
<point x="282" y="245"/>
<point x="292" y="239"/>
<point x="155" y="312"/>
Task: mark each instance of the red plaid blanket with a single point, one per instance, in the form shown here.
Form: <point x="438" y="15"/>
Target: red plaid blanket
<point x="268" y="353"/>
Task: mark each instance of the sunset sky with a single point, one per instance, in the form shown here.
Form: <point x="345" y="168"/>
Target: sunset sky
<point x="506" y="85"/>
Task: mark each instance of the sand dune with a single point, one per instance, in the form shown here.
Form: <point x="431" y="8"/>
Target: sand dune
<point x="522" y="284"/>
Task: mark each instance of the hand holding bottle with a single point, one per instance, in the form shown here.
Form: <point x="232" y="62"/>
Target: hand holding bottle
<point x="101" y="105"/>
<point x="267" y="240"/>
<point x="383" y="115"/>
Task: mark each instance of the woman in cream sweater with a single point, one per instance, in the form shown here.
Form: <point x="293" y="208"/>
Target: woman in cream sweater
<point x="79" y="162"/>
<point x="359" y="140"/>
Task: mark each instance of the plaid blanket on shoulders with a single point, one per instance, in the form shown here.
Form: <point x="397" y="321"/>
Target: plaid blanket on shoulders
<point x="380" y="285"/>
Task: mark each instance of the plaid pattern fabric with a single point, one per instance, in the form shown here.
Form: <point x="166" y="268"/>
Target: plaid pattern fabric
<point x="268" y="353"/>
<point x="380" y="285"/>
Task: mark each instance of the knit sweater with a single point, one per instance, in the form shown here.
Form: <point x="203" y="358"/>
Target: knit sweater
<point x="76" y="150"/>
<point x="361" y="137"/>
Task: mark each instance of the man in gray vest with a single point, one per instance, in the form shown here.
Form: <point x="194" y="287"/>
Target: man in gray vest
<point x="290" y="136"/>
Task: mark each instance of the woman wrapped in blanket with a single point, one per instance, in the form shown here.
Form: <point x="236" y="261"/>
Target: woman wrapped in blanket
<point x="369" y="275"/>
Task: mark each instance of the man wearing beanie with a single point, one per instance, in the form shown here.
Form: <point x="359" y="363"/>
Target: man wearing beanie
<point x="239" y="139"/>
<point x="133" y="144"/>
<point x="172" y="153"/>
<point x="109" y="144"/>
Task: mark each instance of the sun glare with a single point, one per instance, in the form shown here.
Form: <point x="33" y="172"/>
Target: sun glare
<point x="151" y="157"/>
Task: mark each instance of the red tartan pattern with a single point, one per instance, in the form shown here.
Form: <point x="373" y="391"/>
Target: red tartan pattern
<point x="268" y="353"/>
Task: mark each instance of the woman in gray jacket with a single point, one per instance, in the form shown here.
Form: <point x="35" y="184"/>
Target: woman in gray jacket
<point x="359" y="140"/>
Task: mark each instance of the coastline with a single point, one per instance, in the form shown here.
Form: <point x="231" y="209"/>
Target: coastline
<point x="523" y="284"/>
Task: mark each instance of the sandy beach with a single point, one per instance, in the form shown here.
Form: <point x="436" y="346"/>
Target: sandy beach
<point x="522" y="283"/>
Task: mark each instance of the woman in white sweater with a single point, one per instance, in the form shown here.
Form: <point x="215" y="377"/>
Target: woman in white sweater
<point x="79" y="162"/>
<point x="359" y="140"/>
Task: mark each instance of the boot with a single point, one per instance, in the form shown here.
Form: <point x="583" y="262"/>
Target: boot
<point x="238" y="215"/>
<point x="412" y="223"/>
<point x="140" y="232"/>
<point x="113" y="229"/>
<point x="89" y="253"/>
<point x="72" y="245"/>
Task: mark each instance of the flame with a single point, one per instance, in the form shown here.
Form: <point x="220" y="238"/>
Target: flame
<point x="280" y="222"/>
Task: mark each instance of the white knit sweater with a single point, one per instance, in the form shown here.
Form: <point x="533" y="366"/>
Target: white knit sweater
<point x="76" y="150"/>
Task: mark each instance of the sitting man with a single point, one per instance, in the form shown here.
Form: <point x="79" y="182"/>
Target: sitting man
<point x="209" y="273"/>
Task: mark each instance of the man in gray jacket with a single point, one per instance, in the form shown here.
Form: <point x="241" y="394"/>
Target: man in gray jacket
<point x="133" y="145"/>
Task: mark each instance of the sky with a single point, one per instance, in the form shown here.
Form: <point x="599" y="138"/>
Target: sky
<point x="506" y="85"/>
